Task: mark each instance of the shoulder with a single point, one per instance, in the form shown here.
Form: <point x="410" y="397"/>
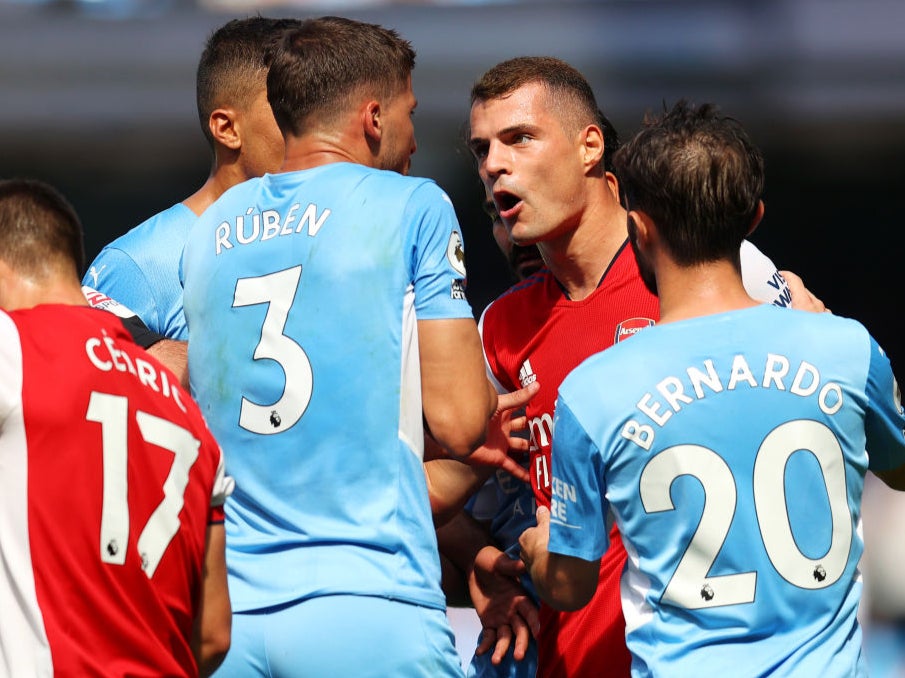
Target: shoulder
<point x="178" y="217"/>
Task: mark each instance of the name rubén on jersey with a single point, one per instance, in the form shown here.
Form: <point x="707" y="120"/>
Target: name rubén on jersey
<point x="255" y="225"/>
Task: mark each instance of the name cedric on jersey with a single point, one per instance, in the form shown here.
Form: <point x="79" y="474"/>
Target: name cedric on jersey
<point x="105" y="356"/>
<point x="673" y="393"/>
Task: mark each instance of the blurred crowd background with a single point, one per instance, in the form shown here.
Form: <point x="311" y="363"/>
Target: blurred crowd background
<point x="97" y="97"/>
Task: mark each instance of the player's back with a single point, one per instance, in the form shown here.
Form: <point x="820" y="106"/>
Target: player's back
<point x="300" y="291"/>
<point x="732" y="449"/>
<point x="105" y="499"/>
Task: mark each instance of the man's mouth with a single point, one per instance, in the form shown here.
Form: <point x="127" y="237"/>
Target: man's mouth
<point x="507" y="203"/>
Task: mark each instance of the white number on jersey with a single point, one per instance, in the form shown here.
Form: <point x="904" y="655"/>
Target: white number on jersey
<point x="690" y="587"/>
<point x="277" y="290"/>
<point x="112" y="412"/>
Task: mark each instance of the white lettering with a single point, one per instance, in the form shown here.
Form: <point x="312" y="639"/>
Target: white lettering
<point x="641" y="435"/>
<point x="741" y="372"/>
<point x="798" y="386"/>
<point x="672" y="389"/>
<point x="221" y="238"/>
<point x="267" y="225"/>
<point x="651" y="410"/>
<point x="699" y="379"/>
<point x="777" y="367"/>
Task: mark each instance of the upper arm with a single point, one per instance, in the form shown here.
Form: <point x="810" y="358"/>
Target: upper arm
<point x="456" y="396"/>
<point x="884" y="421"/>
<point x="117" y="275"/>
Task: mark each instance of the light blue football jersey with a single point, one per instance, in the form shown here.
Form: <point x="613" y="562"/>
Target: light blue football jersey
<point x="302" y="292"/>
<point x="731" y="451"/>
<point x="140" y="269"/>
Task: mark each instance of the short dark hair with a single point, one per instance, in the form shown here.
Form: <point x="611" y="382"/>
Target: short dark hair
<point x="697" y="174"/>
<point x="569" y="89"/>
<point x="39" y="229"/>
<point x="233" y="66"/>
<point x="317" y="68"/>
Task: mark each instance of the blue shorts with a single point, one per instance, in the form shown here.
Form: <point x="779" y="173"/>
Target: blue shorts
<point x="341" y="635"/>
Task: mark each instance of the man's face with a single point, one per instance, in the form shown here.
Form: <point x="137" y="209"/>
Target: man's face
<point x="398" y="142"/>
<point x="530" y="165"/>
<point x="263" y="149"/>
<point x="523" y="261"/>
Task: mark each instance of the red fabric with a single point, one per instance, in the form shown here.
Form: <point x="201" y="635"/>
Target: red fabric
<point x="534" y="329"/>
<point x="104" y="618"/>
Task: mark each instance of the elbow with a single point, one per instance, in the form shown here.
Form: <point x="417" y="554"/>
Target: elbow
<point x="213" y="650"/>
<point x="460" y="443"/>
<point x="567" y="598"/>
<point x="459" y="435"/>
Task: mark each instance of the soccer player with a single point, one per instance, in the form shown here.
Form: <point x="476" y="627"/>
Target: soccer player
<point x="327" y="312"/>
<point x="728" y="441"/>
<point x="140" y="269"/>
<point x="544" y="151"/>
<point x="111" y="533"/>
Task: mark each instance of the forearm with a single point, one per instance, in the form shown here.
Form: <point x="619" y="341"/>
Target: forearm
<point x="174" y="355"/>
<point x="450" y="484"/>
<point x="213" y="621"/>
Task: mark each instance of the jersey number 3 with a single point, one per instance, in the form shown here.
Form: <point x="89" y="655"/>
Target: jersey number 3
<point x="112" y="412"/>
<point x="277" y="290"/>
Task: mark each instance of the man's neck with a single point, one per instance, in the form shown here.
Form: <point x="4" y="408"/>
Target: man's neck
<point x="706" y="289"/>
<point x="579" y="259"/>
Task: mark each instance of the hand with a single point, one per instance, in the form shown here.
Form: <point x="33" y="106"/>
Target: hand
<point x="534" y="541"/>
<point x="802" y="298"/>
<point x="505" y="609"/>
<point x="502" y="442"/>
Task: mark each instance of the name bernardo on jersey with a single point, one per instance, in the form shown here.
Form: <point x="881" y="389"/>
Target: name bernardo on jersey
<point x="255" y="225"/>
<point x="105" y="356"/>
<point x="672" y="393"/>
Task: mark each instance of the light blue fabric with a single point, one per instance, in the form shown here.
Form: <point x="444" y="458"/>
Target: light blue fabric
<point x="731" y="450"/>
<point x="140" y="270"/>
<point x="319" y="414"/>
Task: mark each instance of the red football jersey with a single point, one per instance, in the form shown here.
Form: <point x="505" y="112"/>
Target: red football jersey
<point x="534" y="332"/>
<point x="108" y="480"/>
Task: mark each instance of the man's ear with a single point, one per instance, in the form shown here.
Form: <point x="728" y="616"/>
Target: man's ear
<point x="222" y="125"/>
<point x="591" y="146"/>
<point x="371" y="120"/>
<point x="645" y="230"/>
<point x="758" y="215"/>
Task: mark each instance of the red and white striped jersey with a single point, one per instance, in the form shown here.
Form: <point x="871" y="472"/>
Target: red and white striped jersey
<point x="109" y="478"/>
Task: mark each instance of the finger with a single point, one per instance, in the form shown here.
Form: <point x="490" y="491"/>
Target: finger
<point x="522" y="638"/>
<point x="508" y="567"/>
<point x="504" y="639"/>
<point x="518" y="444"/>
<point x="528" y="611"/>
<point x="488" y="638"/>
<point x="519" y="423"/>
<point x="508" y="401"/>
<point x="515" y="469"/>
<point x="543" y="516"/>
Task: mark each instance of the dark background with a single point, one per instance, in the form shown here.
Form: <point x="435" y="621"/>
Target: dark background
<point x="98" y="99"/>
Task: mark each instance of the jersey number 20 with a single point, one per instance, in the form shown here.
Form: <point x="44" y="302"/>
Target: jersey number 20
<point x="690" y="586"/>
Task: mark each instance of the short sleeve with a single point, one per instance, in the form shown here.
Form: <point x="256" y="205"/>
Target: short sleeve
<point x="578" y="505"/>
<point x="885" y="419"/>
<point x="118" y="276"/>
<point x="437" y="255"/>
